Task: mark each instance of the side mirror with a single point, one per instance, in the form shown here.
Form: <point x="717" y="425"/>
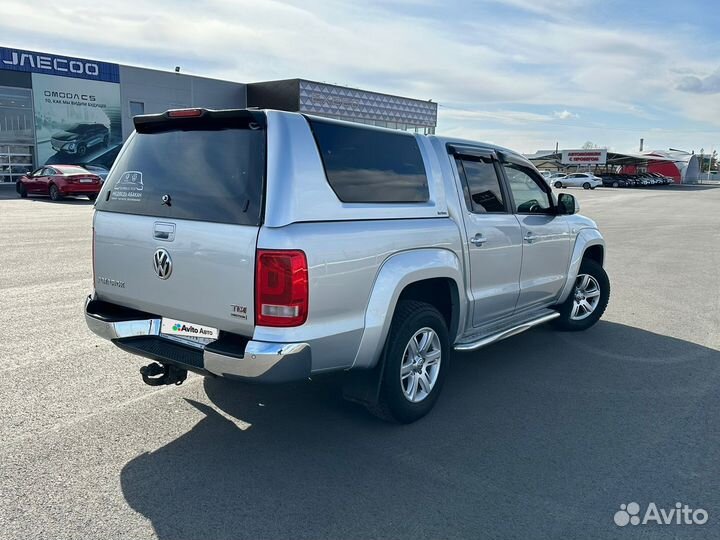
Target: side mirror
<point x="567" y="204"/>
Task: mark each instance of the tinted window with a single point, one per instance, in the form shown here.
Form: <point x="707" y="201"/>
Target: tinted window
<point x="529" y="197"/>
<point x="371" y="166"/>
<point x="482" y="186"/>
<point x="209" y="175"/>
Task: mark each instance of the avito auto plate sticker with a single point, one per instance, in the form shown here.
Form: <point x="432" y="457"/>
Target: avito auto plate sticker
<point x="129" y="187"/>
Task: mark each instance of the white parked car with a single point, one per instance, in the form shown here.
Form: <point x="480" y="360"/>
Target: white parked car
<point x="583" y="180"/>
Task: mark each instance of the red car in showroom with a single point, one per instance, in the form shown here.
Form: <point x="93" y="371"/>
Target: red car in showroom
<point x="59" y="181"/>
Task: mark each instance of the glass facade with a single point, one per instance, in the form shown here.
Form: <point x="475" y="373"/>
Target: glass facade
<point x="17" y="133"/>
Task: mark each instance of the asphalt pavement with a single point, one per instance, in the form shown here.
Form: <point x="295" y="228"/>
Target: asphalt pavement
<point x="543" y="435"/>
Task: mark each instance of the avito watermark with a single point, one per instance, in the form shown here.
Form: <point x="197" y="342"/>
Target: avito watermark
<point x="680" y="514"/>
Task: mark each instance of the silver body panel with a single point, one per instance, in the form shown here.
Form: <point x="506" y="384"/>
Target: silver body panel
<point x="360" y="258"/>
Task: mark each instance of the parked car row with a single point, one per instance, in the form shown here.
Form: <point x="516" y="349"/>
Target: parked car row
<point x="635" y="180"/>
<point x="591" y="181"/>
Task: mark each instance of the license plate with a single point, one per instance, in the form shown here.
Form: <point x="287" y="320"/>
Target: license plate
<point x="86" y="181"/>
<point x="186" y="330"/>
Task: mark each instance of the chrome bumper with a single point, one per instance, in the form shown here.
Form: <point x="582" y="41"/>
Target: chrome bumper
<point x="258" y="361"/>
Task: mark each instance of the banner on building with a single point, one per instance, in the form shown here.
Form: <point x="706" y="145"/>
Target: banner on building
<point x="75" y="119"/>
<point x="596" y="156"/>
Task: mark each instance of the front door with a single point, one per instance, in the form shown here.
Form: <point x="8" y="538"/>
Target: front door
<point x="36" y="181"/>
<point x="546" y="240"/>
<point x="493" y="236"/>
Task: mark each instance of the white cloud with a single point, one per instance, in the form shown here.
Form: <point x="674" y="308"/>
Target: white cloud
<point x="565" y="115"/>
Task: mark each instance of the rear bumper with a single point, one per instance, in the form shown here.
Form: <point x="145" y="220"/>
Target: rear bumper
<point x="230" y="356"/>
<point x="79" y="189"/>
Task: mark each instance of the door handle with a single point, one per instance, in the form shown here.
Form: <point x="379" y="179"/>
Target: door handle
<point x="478" y="240"/>
<point x="530" y="237"/>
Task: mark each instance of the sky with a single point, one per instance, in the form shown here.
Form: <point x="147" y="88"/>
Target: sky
<point x="525" y="74"/>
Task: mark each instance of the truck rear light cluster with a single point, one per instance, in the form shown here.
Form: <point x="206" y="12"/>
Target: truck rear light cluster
<point x="281" y="288"/>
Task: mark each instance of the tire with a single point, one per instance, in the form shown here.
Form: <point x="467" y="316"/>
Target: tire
<point x="22" y="190"/>
<point x="569" y="319"/>
<point x="413" y="321"/>
<point x="55" y="194"/>
<point x="558" y="185"/>
<point x="92" y="196"/>
<point x="586" y="185"/>
<point x="615" y="184"/>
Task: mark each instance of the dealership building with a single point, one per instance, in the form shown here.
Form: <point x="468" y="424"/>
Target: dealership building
<point x="60" y="109"/>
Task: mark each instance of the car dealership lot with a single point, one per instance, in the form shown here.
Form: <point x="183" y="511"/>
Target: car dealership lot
<point x="540" y="436"/>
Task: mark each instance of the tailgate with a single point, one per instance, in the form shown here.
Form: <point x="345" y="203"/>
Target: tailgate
<point x="211" y="269"/>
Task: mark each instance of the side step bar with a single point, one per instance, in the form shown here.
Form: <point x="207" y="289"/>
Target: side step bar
<point x="474" y="345"/>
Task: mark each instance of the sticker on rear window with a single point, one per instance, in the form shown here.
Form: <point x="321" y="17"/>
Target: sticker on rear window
<point x="129" y="187"/>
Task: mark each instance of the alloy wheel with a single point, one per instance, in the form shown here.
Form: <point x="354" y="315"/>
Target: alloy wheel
<point x="586" y="297"/>
<point x="420" y="365"/>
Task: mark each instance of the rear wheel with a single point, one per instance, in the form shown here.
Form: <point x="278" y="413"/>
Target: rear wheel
<point x="615" y="184"/>
<point x="558" y="185"/>
<point x="588" y="298"/>
<point x="22" y="191"/>
<point x="92" y="196"/>
<point x="586" y="185"/>
<point x="55" y="194"/>
<point x="416" y="357"/>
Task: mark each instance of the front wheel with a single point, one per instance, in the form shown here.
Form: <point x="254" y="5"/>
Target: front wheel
<point x="22" y="191"/>
<point x="416" y="356"/>
<point x="588" y="299"/>
<point x="586" y="185"/>
<point x="558" y="185"/>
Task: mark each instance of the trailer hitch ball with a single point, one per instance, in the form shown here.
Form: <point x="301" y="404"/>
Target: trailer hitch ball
<point x="161" y="374"/>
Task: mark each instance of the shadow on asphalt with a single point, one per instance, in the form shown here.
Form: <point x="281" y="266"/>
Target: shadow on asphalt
<point x="540" y="436"/>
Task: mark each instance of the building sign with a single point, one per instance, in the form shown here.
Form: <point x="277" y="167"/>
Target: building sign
<point x="584" y="157"/>
<point x="74" y="120"/>
<point x="62" y="66"/>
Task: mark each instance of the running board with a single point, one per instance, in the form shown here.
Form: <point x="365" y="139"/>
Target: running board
<point x="474" y="345"/>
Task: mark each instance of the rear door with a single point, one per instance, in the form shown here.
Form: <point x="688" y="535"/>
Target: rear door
<point x="178" y="217"/>
<point x="546" y="240"/>
<point x="493" y="236"/>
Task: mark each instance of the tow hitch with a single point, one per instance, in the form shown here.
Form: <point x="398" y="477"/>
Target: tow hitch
<point x="159" y="374"/>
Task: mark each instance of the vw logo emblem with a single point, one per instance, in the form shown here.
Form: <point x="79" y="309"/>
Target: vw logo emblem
<point x="162" y="264"/>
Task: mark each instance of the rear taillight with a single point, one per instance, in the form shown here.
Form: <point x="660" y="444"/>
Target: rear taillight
<point x="281" y="288"/>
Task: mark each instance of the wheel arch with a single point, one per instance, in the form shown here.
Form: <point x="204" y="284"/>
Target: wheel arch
<point x="429" y="275"/>
<point x="589" y="243"/>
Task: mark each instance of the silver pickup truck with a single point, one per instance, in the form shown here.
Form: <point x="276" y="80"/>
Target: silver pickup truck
<point x="273" y="246"/>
